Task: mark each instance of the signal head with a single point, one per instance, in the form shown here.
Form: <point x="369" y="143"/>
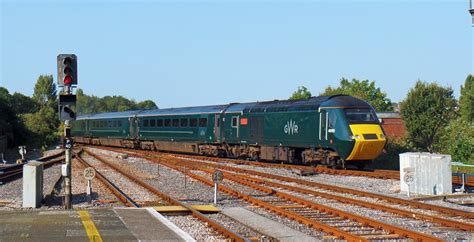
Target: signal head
<point x="67" y="69"/>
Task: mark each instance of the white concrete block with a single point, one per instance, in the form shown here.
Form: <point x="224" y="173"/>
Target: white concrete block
<point x="425" y="173"/>
<point x="32" y="184"/>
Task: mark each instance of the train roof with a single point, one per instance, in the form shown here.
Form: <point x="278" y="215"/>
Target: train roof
<point x="125" y="114"/>
<point x="183" y="111"/>
<point x="313" y="103"/>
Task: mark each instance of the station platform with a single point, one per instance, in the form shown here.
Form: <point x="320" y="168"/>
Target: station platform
<point x="120" y="224"/>
<point x="266" y="226"/>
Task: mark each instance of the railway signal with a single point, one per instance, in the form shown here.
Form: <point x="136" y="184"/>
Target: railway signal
<point x="67" y="69"/>
<point x="67" y="78"/>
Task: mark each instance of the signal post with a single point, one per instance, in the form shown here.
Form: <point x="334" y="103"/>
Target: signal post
<point x="67" y="79"/>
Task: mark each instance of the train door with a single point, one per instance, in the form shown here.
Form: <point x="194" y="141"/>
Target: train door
<point x="235" y="125"/>
<point x="134" y="130"/>
<point x="323" y="125"/>
<point x="256" y="129"/>
<point x="217" y="128"/>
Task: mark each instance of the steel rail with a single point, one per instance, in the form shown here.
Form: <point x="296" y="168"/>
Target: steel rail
<point x="404" y="213"/>
<point x="216" y="226"/>
<point x="124" y="198"/>
<point x="362" y="220"/>
<point x="441" y="209"/>
<point x="378" y="173"/>
<point x="383" y="174"/>
<point x="15" y="171"/>
<point x="280" y="211"/>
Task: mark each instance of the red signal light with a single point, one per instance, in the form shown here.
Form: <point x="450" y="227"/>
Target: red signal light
<point x="67" y="80"/>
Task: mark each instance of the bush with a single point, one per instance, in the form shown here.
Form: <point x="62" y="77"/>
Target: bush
<point x="458" y="140"/>
<point x="389" y="159"/>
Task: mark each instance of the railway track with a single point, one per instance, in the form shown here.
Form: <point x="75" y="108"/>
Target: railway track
<point x="256" y="183"/>
<point x="121" y="196"/>
<point x="381" y="174"/>
<point x="171" y="201"/>
<point x="12" y="172"/>
<point x="336" y="223"/>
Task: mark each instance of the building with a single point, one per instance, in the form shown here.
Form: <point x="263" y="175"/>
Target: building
<point x="392" y="124"/>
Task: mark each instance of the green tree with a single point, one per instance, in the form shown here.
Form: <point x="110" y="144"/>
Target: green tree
<point x="45" y="91"/>
<point x="301" y="93"/>
<point x="23" y="104"/>
<point x="91" y="104"/>
<point x="147" y="104"/>
<point x="458" y="141"/>
<point x="10" y="124"/>
<point x="427" y="110"/>
<point x="43" y="125"/>
<point x="364" y="90"/>
<point x="466" y="100"/>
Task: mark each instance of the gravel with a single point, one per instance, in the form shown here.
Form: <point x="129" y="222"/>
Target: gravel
<point x="195" y="228"/>
<point x="11" y="193"/>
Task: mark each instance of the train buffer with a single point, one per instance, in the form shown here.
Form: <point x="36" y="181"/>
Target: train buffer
<point x="120" y="224"/>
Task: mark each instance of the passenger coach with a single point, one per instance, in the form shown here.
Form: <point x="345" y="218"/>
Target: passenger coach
<point x="329" y="130"/>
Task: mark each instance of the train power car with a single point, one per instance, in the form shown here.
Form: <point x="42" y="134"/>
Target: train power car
<point x="329" y="130"/>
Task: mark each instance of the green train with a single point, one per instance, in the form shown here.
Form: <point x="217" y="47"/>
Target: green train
<point x="329" y="130"/>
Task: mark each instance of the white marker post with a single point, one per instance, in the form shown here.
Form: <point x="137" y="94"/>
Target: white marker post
<point x="217" y="177"/>
<point x="408" y="179"/>
<point x="89" y="174"/>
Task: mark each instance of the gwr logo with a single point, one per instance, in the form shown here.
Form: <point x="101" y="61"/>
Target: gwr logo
<point x="291" y="127"/>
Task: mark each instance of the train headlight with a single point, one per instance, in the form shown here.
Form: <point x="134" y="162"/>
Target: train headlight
<point x="382" y="136"/>
<point x="355" y="136"/>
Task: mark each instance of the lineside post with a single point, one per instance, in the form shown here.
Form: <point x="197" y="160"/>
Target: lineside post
<point x="67" y="77"/>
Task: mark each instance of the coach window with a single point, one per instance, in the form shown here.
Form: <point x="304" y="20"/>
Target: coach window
<point x="234" y="122"/>
<point x="175" y="122"/>
<point x="202" y="122"/>
<point x="193" y="122"/>
<point x="119" y="123"/>
<point x="152" y="123"/>
<point x="167" y="122"/>
<point x="146" y="123"/>
<point x="184" y="122"/>
<point x="159" y="122"/>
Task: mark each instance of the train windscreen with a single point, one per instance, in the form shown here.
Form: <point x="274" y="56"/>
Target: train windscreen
<point x="355" y="115"/>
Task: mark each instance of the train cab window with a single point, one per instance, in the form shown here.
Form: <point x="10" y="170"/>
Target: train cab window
<point x="159" y="122"/>
<point x="234" y="122"/>
<point x="167" y="122"/>
<point x="152" y="123"/>
<point x="184" y="122"/>
<point x="363" y="115"/>
<point x="332" y="118"/>
<point x="146" y="123"/>
<point x="175" y="122"/>
<point x="193" y="122"/>
<point x="202" y="122"/>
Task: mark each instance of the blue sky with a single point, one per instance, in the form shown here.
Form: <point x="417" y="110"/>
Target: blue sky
<point x="181" y="53"/>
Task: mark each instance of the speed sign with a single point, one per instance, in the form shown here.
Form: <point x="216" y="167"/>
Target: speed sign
<point x="89" y="173"/>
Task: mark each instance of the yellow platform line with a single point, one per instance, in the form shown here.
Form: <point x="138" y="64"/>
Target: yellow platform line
<point x="89" y="225"/>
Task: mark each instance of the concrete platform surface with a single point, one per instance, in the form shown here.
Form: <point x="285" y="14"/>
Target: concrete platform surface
<point x="142" y="224"/>
<point x="267" y="226"/>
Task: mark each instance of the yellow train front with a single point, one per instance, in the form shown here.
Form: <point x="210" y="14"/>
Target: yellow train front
<point x="353" y="131"/>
